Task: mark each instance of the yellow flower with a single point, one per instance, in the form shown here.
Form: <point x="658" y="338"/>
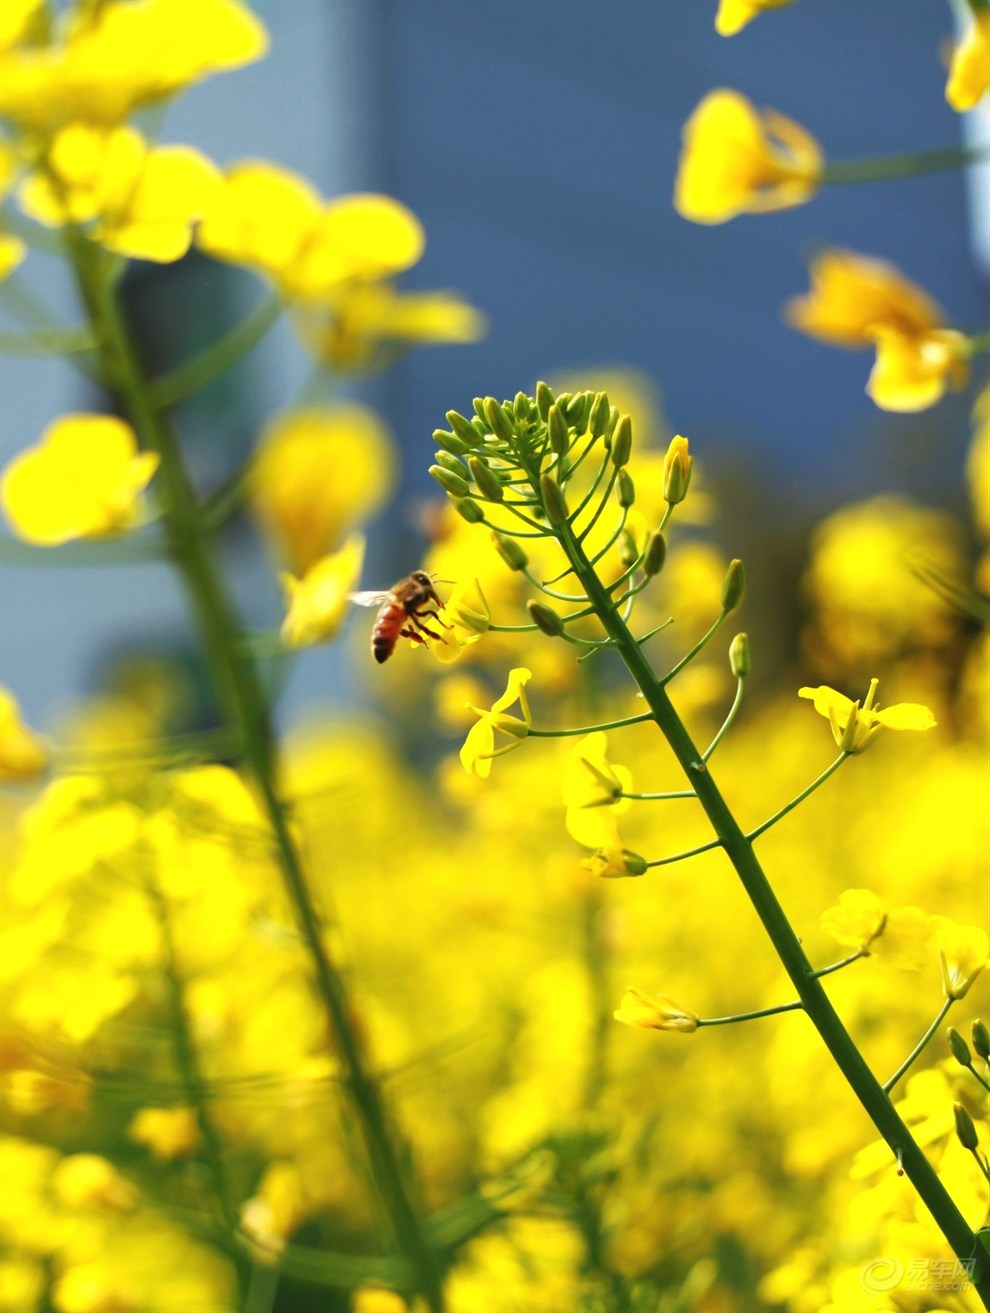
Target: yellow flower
<point x="479" y="746"/>
<point x="316" y="474"/>
<point x="85" y="1180"/>
<point x="897" y="935"/>
<point x="654" y="1012"/>
<point x="969" y="72"/>
<point x="12" y="249"/>
<point x="83" y="480"/>
<point x="347" y="330"/>
<point x="737" y="161"/>
<point x="962" y="954"/>
<point x="677" y="466"/>
<point x="273" y="221"/>
<point x="591" y="788"/>
<point x="100" y="69"/>
<point x="912" y="373"/>
<point x="317" y="603"/>
<point x="733" y="15"/>
<point x="378" y="1299"/>
<point x="23" y="755"/>
<point x="168" y="1132"/>
<point x="276" y="1208"/>
<point x="466" y="616"/>
<point x="854" y="727"/>
<point x="856" y="301"/>
<point x="142" y="201"/>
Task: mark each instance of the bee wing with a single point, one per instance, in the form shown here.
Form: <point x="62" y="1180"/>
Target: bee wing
<point x="369" y="598"/>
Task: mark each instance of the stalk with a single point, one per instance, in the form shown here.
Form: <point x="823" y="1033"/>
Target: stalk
<point x="814" y="1000"/>
<point x="244" y="700"/>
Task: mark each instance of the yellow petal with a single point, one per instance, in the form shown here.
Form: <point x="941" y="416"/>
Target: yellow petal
<point x="364" y="235"/>
<point x="654" y="1012"/>
<point x="317" y="603"/>
<point x="23" y="755"/>
<point x="906" y="715"/>
<point x="912" y="373"/>
<point x="857" y="919"/>
<point x="969" y="72"/>
<point x="261" y="216"/>
<point x="852" y="296"/>
<point x="733" y="15"/>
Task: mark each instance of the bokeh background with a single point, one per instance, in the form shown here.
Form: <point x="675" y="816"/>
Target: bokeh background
<point x="537" y="140"/>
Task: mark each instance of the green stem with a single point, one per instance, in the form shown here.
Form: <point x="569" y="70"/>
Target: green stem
<point x="195" y="374"/>
<point x="920" y="1047"/>
<point x="837" y="966"/>
<point x="910" y="164"/>
<point x="701" y="643"/>
<point x="739" y="849"/>
<point x="805" y="793"/>
<point x="238" y="686"/>
<point x="659" y="797"/>
<point x="590" y="729"/>
<point x="691" y="852"/>
<point x="796" y="1006"/>
<point x="736" y="701"/>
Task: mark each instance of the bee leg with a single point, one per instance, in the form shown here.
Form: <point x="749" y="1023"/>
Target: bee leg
<point x="417" y="618"/>
<point x="409" y="632"/>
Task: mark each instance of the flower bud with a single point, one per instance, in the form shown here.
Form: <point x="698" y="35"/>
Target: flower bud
<point x="677" y="471"/>
<point x="655" y="554"/>
<point x="634" y="864"/>
<point x="486" y="479"/>
<point x="599" y="414"/>
<point x="450" y="442"/>
<point x="733" y="586"/>
<point x="965" y="1129"/>
<point x="625" y="489"/>
<point x="560" y="439"/>
<point x="463" y="428"/>
<point x="959" y="1047"/>
<point x="469" y="509"/>
<point x="622" y="442"/>
<point x="545" y="618"/>
<point x="981" y="1040"/>
<point x="629" y="552"/>
<point x="522" y="405"/>
<point x="450" y="482"/>
<point x="510" y="551"/>
<point x="578" y="409"/>
<point x="500" y="423"/>
<point x="554" y="502"/>
<point x="739" y="656"/>
<point x="450" y="462"/>
<point x="613" y="419"/>
<point x="544" y="400"/>
<point x="479" y="409"/>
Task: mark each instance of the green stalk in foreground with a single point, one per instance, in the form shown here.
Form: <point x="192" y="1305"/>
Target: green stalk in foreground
<point x="524" y="437"/>
<point x="244" y="701"/>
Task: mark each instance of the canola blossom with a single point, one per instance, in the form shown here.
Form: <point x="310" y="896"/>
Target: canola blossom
<point x="23" y="753"/>
<point x="734" y="15"/>
<point x="317" y="603"/>
<point x="969" y="70"/>
<point x="84" y="479"/>
<point x="855" y="726"/>
<point x="736" y="160"/>
<point x="655" y="1012"/>
<point x="479" y="747"/>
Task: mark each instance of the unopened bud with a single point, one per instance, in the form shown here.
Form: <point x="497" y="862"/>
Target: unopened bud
<point x="965" y="1129"/>
<point x="522" y="405"/>
<point x="450" y="482"/>
<point x="487" y="480"/>
<point x="545" y="618"/>
<point x="628" y="551"/>
<point x="626" y="489"/>
<point x="655" y="554"/>
<point x="959" y="1047"/>
<point x="981" y="1040"/>
<point x="450" y="462"/>
<point x="634" y="864"/>
<point x="733" y="586"/>
<point x="463" y="428"/>
<point x="554" y="502"/>
<point x="677" y="465"/>
<point x="560" y="439"/>
<point x="469" y="509"/>
<point x="544" y="400"/>
<point x="739" y="656"/>
<point x="613" y="419"/>
<point x="599" y="414"/>
<point x="501" y="425"/>
<point x="578" y="410"/>
<point x="510" y="551"/>
<point x="622" y="442"/>
<point x="479" y="409"/>
<point x="450" y="442"/>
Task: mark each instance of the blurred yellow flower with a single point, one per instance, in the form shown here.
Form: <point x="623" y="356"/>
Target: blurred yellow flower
<point x="276" y="1208"/>
<point x="962" y="954"/>
<point x="465" y="616"/>
<point x="898" y="935"/>
<point x="85" y="1180"/>
<point x="142" y="201"/>
<point x="84" y="479"/>
<point x="733" y="15"/>
<point x="317" y="603"/>
<point x="736" y="160"/>
<point x="854" y="727"/>
<point x="316" y="474"/>
<point x="590" y="780"/>
<point x="969" y="72"/>
<point x="112" y="58"/>
<point x="273" y="221"/>
<point x="378" y="1299"/>
<point x="654" y="1012"/>
<point x="856" y="301"/>
<point x="12" y="249"/>
<point x="479" y="746"/>
<point x="168" y="1132"/>
<point x="23" y="754"/>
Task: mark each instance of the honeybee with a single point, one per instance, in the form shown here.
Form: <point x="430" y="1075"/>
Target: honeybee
<point x="405" y="609"/>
